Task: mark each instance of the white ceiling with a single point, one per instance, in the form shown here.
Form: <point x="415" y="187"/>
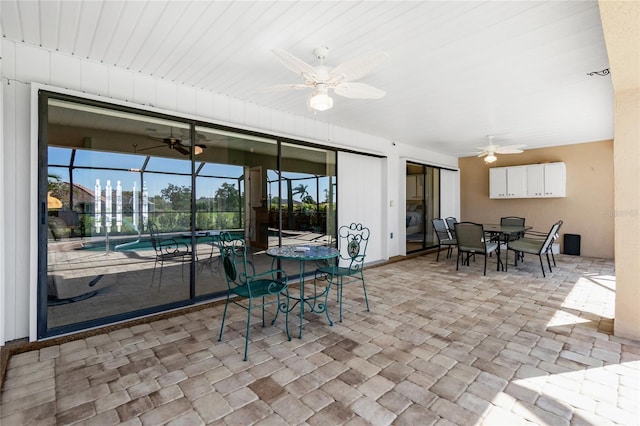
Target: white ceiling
<point x="458" y="71"/>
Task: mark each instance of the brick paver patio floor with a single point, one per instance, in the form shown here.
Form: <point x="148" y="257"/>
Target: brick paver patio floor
<point x="439" y="346"/>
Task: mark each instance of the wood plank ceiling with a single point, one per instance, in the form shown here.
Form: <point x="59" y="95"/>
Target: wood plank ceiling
<point x="458" y="71"/>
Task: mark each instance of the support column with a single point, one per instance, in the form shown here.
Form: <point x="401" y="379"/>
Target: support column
<point x="622" y="37"/>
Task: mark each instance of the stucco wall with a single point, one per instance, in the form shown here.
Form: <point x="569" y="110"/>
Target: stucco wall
<point x="587" y="210"/>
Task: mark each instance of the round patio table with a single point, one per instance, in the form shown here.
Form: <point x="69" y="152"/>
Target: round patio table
<point x="303" y="254"/>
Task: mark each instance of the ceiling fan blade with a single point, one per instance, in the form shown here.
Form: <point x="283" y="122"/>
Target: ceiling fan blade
<point x="357" y="68"/>
<point x="182" y="150"/>
<point x="148" y="148"/>
<point x="358" y="91"/>
<point x="482" y="154"/>
<point x="296" y="65"/>
<point x="510" y="149"/>
<point x="282" y="88"/>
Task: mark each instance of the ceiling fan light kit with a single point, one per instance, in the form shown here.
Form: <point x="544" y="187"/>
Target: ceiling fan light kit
<point x="320" y="99"/>
<point x="490" y="158"/>
<point x="489" y="152"/>
<point x="322" y="78"/>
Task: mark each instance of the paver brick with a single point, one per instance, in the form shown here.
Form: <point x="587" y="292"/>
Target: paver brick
<point x="448" y="348"/>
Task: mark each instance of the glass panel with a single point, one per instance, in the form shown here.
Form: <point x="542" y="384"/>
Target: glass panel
<point x="423" y="205"/>
<point x="88" y="158"/>
<point x="60" y="156"/>
<point x="305" y="196"/>
<point x="230" y="188"/>
<point x="101" y="261"/>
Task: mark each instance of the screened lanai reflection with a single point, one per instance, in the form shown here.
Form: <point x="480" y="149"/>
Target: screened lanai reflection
<point x="117" y="181"/>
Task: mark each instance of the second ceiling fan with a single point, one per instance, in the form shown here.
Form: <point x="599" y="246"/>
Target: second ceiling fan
<point x="489" y="151"/>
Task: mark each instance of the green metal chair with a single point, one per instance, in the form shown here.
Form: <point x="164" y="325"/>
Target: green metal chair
<point x="537" y="246"/>
<point x="472" y="240"/>
<point x="247" y="288"/>
<point x="167" y="249"/>
<point x="444" y="238"/>
<point x="349" y="266"/>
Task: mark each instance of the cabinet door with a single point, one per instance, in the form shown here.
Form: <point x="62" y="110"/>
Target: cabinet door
<point x="498" y="182"/>
<point x="555" y="180"/>
<point x="516" y="182"/>
<point x="535" y="180"/>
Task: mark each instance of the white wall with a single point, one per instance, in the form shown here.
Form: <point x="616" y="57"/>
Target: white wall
<point x="26" y="68"/>
<point x="359" y="200"/>
<point x="449" y="197"/>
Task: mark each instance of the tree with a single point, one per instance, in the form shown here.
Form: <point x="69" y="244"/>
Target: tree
<point x="178" y="196"/>
<point x="227" y="197"/>
<point x="300" y="190"/>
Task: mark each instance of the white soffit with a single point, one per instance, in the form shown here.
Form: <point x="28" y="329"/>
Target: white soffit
<point x="458" y="70"/>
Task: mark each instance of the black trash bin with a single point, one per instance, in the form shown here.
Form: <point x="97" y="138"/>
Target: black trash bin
<point x="572" y="244"/>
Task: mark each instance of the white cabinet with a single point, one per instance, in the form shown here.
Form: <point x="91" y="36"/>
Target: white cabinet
<point x="555" y="180"/>
<point x="498" y="182"/>
<point x="535" y="180"/>
<point x="508" y="182"/>
<point x="415" y="183"/>
<point x="530" y="181"/>
<point x="546" y="180"/>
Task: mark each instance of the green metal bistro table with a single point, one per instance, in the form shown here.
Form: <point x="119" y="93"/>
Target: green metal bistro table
<point x="503" y="233"/>
<point x="303" y="254"/>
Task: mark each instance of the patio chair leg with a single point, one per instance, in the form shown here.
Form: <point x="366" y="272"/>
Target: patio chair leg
<point x="275" y="317"/>
<point x="246" y="339"/>
<point x="438" y="256"/>
<point x="366" y="299"/>
<point x="485" y="265"/>
<point x="506" y="260"/>
<point x="153" y="274"/>
<point x="549" y="263"/>
<point x="326" y="298"/>
<point x="340" y="296"/>
<point x="161" y="269"/>
<point x="457" y="259"/>
<point x="224" y="315"/>
<point x="542" y="265"/>
<point x="286" y="314"/>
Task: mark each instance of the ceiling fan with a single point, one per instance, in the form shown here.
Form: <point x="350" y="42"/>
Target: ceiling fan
<point x="489" y="151"/>
<point x="323" y="78"/>
<point x="173" y="142"/>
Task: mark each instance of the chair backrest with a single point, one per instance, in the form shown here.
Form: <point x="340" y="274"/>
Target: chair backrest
<point x="470" y="237"/>
<point x="553" y="234"/>
<point x="440" y="226"/>
<point x="451" y="225"/>
<point x="233" y="252"/>
<point x="512" y="221"/>
<point x="154" y="236"/>
<point x="352" y="245"/>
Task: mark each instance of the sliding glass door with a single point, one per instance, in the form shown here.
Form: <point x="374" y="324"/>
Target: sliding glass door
<point x="422" y="206"/>
<point x="133" y="203"/>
